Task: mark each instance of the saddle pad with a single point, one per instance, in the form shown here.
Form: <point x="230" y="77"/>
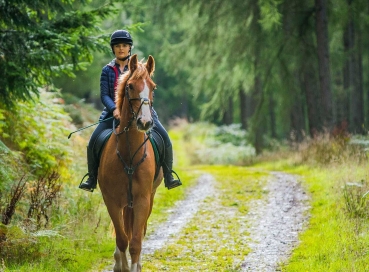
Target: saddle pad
<point x="101" y="141"/>
<point x="158" y="146"/>
<point x="154" y="137"/>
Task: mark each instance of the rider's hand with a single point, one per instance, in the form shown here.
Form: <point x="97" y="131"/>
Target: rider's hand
<point x="116" y="114"/>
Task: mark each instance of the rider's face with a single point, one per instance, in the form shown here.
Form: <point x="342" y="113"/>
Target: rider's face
<point x="121" y="50"/>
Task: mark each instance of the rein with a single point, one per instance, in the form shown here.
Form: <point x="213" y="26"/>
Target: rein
<point x="129" y="168"/>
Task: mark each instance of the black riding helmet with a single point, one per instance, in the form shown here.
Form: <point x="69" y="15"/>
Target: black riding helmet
<point x="121" y="36"/>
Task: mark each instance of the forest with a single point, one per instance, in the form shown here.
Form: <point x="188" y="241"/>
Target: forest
<point x="267" y="84"/>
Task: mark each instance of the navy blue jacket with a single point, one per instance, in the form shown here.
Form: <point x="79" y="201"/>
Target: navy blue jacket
<point x="107" y="92"/>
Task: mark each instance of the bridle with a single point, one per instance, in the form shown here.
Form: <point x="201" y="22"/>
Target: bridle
<point x="144" y="101"/>
<point x="129" y="167"/>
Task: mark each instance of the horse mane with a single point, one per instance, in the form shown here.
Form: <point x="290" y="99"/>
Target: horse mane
<point x="139" y="72"/>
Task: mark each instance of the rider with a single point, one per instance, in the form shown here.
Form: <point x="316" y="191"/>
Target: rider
<point x="121" y="44"/>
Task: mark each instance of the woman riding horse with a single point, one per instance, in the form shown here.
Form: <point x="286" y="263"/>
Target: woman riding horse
<point x="121" y="44"/>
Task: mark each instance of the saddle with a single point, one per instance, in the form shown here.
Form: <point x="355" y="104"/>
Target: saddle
<point x="154" y="137"/>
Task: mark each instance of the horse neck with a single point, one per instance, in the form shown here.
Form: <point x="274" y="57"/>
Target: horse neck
<point x="135" y="136"/>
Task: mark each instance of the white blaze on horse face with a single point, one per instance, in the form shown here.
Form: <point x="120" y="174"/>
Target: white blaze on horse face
<point x="145" y="109"/>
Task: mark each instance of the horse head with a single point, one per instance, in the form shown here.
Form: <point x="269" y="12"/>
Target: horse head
<point x="135" y="92"/>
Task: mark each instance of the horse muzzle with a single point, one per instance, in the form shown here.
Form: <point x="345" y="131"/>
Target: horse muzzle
<point x="144" y="125"/>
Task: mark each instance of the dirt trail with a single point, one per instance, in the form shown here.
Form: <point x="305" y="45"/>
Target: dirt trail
<point x="273" y="223"/>
<point x="181" y="214"/>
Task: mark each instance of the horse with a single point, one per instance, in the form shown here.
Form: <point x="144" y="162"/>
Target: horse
<point x="127" y="165"/>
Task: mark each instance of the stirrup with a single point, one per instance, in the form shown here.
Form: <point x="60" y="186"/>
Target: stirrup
<point x="176" y="184"/>
<point x="85" y="188"/>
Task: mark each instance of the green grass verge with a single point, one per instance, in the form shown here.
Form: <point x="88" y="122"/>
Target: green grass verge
<point x="334" y="240"/>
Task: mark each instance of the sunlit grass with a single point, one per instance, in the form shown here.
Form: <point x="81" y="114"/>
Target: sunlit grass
<point x="216" y="238"/>
<point x="333" y="240"/>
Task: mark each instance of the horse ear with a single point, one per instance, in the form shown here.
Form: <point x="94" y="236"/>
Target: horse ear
<point x="132" y="65"/>
<point x="150" y="65"/>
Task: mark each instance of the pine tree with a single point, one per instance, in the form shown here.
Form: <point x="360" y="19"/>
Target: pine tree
<point x="41" y="38"/>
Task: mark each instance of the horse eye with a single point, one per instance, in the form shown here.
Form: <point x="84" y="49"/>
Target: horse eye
<point x="130" y="86"/>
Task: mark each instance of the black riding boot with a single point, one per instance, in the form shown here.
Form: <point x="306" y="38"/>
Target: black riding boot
<point x="90" y="184"/>
<point x="169" y="180"/>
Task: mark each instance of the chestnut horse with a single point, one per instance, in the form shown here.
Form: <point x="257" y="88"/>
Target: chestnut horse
<point x="127" y="165"/>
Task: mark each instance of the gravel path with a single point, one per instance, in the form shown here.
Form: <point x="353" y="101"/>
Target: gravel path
<point x="181" y="214"/>
<point x="273" y="223"/>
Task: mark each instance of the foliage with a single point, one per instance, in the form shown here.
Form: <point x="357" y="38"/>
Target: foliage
<point x="43" y="193"/>
<point x="262" y="53"/>
<point x="325" y="149"/>
<point x="208" y="144"/>
<point x="32" y="127"/>
<point x="41" y="39"/>
<point x="356" y="198"/>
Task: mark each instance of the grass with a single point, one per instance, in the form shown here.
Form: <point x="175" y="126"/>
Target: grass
<point x="216" y="238"/>
<point x="334" y="240"/>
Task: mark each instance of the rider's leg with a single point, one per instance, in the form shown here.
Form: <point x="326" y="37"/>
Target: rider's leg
<point x="92" y="160"/>
<point x="169" y="180"/>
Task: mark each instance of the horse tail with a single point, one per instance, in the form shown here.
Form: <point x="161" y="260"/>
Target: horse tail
<point x="128" y="221"/>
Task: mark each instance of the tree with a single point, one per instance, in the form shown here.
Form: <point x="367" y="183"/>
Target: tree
<point x="323" y="60"/>
<point x="275" y="60"/>
<point x="40" y="39"/>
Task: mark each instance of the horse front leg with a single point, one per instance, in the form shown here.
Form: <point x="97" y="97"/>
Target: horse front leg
<point x="141" y="211"/>
<point x="121" y="261"/>
<point x="121" y="239"/>
<point x="136" y="265"/>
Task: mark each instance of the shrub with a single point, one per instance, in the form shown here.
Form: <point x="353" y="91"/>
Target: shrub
<point x="324" y="149"/>
<point x="209" y="144"/>
<point x="356" y="195"/>
<point x="39" y="130"/>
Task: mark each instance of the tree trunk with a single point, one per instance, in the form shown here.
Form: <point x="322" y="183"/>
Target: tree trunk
<point x="243" y="108"/>
<point x="367" y="83"/>
<point x="352" y="76"/>
<point x="258" y="128"/>
<point x="257" y="94"/>
<point x="323" y="60"/>
<point x="184" y="109"/>
<point x="308" y="69"/>
<point x="312" y="102"/>
<point x="228" y="113"/>
<point x="272" y="119"/>
<point x="297" y="115"/>
<point x="359" y="86"/>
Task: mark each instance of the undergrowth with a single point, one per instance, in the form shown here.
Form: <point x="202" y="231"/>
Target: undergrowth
<point x="209" y="144"/>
